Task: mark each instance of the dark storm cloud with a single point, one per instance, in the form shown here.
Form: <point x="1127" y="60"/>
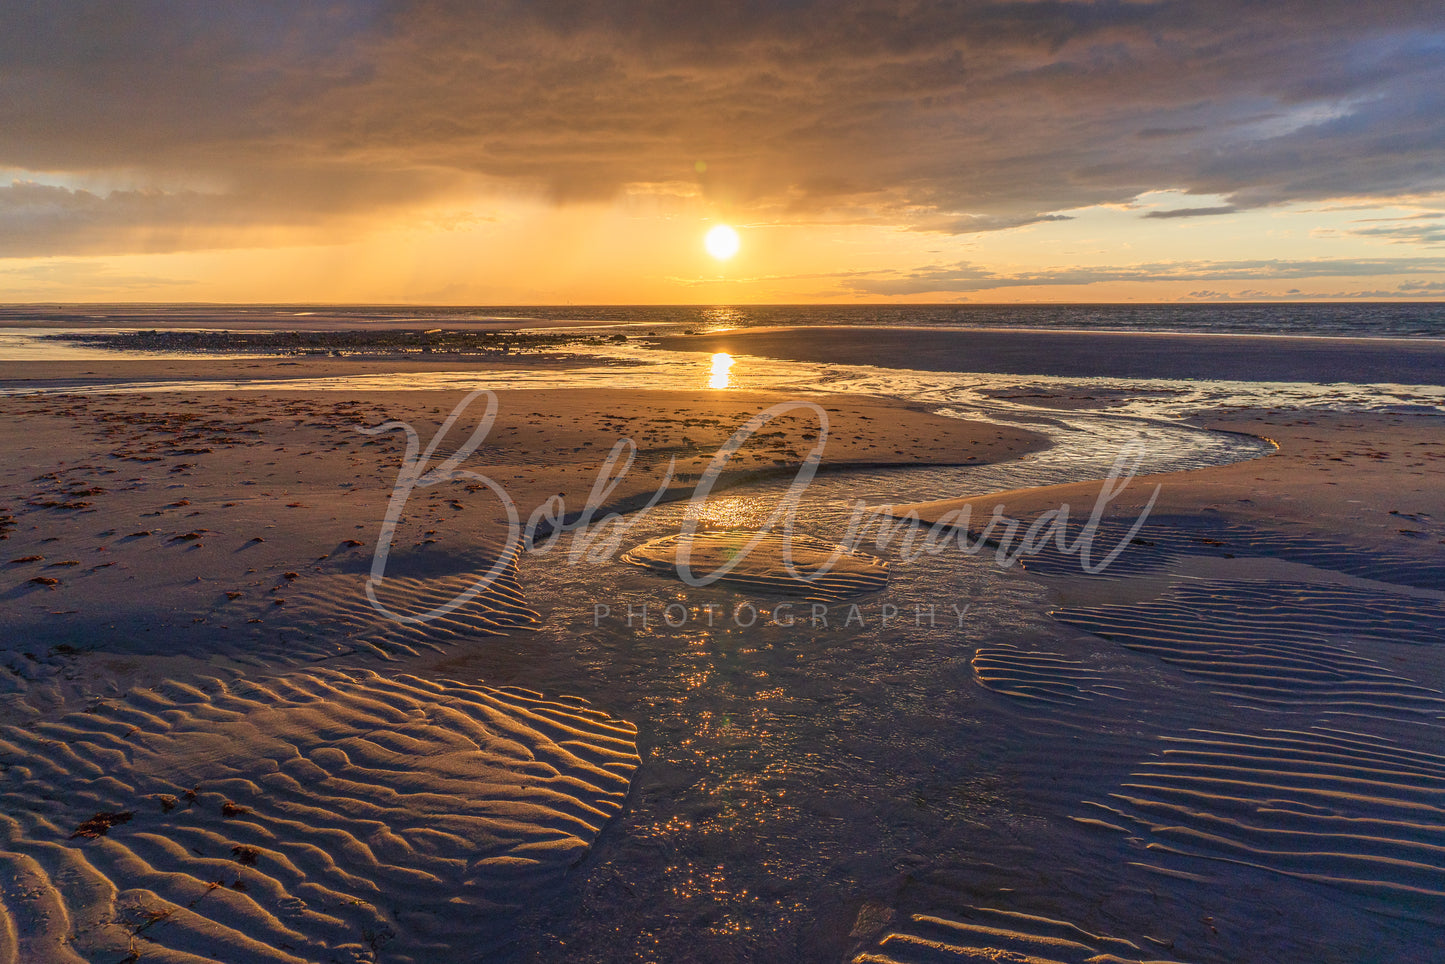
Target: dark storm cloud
<point x="940" y="116"/>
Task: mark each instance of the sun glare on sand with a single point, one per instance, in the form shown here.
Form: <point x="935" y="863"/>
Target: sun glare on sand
<point x="722" y="242"/>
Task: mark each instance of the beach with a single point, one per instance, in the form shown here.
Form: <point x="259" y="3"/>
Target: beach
<point x="274" y="694"/>
<point x="793" y="483"/>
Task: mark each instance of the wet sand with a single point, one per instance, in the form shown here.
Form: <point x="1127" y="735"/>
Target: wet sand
<point x="1094" y="354"/>
<point x="181" y="570"/>
<point x="218" y="748"/>
<point x="21" y="376"/>
<point x="1368" y="480"/>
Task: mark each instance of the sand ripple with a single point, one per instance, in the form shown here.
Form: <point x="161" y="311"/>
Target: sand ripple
<point x="1036" y="676"/>
<point x="331" y="615"/>
<point x="318" y="616"/>
<point x="1330" y="806"/>
<point x="1277" y="644"/>
<point x="764" y="568"/>
<point x="308" y="817"/>
<point x="983" y="934"/>
<point x="1164" y="537"/>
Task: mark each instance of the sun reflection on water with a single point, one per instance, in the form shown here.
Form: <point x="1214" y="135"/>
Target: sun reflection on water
<point x="722" y="363"/>
<point x="721" y="318"/>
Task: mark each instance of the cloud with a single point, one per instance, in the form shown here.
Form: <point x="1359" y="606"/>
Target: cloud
<point x="946" y="115"/>
<point x="1193" y="212"/>
<point x="1420" y="229"/>
<point x="1405" y="289"/>
<point x="44" y="219"/>
<point x="969" y="277"/>
<point x="64" y="276"/>
<point x="1417" y="289"/>
<point x="38" y="219"/>
<point x="978" y="223"/>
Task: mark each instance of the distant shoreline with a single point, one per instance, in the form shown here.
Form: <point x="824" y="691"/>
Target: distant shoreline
<point x="1412" y="320"/>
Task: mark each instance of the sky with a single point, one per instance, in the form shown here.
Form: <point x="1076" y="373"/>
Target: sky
<point x="555" y="151"/>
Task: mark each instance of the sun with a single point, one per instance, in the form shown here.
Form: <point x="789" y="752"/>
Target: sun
<point x="722" y="242"/>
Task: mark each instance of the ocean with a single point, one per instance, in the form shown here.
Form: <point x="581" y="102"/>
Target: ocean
<point x="1364" y="320"/>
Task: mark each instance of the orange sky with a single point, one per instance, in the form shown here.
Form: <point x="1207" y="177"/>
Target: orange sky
<point x="441" y="153"/>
